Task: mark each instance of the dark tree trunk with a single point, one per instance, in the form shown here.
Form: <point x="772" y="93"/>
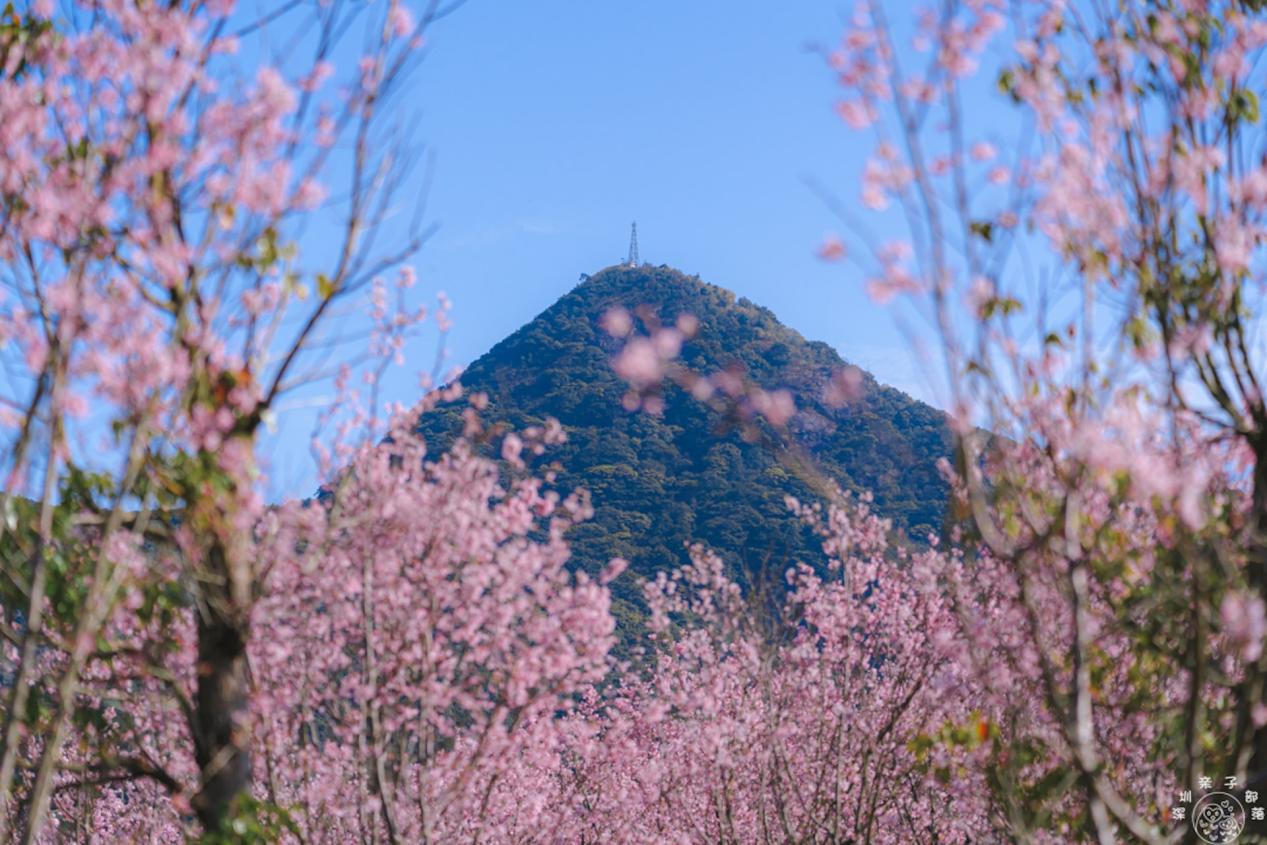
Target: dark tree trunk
<point x="1256" y="572"/>
<point x="222" y="730"/>
<point x="222" y="710"/>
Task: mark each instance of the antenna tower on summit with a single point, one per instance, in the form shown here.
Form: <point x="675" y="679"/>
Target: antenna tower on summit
<point x="633" y="246"/>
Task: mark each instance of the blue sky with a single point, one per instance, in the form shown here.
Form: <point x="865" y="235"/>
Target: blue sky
<point x="556" y="123"/>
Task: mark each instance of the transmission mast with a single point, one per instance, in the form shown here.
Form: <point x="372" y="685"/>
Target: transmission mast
<point x="633" y="246"/>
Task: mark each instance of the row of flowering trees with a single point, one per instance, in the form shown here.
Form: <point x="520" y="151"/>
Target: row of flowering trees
<point x="407" y="657"/>
<point x="447" y="679"/>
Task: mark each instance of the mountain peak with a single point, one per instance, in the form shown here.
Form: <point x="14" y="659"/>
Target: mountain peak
<point x="641" y="273"/>
<point x="659" y="481"/>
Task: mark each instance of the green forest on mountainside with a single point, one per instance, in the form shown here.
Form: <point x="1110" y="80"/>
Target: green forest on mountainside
<point x="661" y="481"/>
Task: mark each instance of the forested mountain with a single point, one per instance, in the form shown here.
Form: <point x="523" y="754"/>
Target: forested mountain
<point x="660" y="481"/>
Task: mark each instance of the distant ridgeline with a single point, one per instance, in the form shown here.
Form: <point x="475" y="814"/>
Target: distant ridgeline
<point x="659" y="482"/>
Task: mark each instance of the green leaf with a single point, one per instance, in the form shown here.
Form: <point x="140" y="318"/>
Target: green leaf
<point x="1242" y="106"/>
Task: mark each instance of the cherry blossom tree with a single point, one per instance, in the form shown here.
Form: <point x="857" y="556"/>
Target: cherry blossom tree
<point x="417" y="646"/>
<point x="155" y="313"/>
<point x="847" y="718"/>
<point x="1088" y="253"/>
<point x="422" y="643"/>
